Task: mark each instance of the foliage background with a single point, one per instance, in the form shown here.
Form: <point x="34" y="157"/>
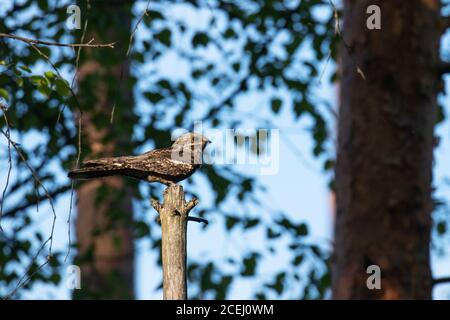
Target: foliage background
<point x="229" y="64"/>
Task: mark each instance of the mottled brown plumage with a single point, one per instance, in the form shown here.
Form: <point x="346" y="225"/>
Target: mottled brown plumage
<point x="167" y="165"/>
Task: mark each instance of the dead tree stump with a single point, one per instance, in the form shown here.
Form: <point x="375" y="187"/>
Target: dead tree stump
<point x="174" y="215"/>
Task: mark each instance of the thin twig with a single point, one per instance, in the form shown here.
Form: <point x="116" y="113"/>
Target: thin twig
<point x="38" y="196"/>
<point x="57" y="44"/>
<point x="72" y="187"/>
<point x="69" y="235"/>
<point x="72" y="92"/>
<point x="24" y="279"/>
<point x="226" y="101"/>
<point x="191" y="204"/>
<point x="136" y="27"/>
<point x="36" y="178"/>
<point x="20" y="183"/>
<point x="130" y="42"/>
<point x="197" y="219"/>
<point x="298" y="153"/>
<point x="79" y="131"/>
<point x="325" y="67"/>
<point x="443" y="68"/>
<point x="156" y="205"/>
<point x="49" y="240"/>
<point x="58" y="73"/>
<point x="50" y="196"/>
<point x="33" y="200"/>
<point x="338" y="32"/>
<point x="8" y="132"/>
<point x="441" y="280"/>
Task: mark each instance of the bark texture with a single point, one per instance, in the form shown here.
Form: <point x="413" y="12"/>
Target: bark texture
<point x="104" y="217"/>
<point x="174" y="214"/>
<point x="385" y="145"/>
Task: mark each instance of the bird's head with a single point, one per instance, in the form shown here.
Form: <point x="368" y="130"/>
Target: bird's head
<point x="192" y="141"/>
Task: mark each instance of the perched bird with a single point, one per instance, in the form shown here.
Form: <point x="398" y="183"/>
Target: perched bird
<point x="167" y="165"/>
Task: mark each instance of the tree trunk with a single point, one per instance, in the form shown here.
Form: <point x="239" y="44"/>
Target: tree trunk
<point x="104" y="218"/>
<point x="384" y="158"/>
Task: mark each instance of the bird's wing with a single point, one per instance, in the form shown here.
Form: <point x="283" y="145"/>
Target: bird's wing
<point x="106" y="161"/>
<point x="160" y="162"/>
<point x="157" y="153"/>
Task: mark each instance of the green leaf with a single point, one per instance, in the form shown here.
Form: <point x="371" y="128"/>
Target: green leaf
<point x="49" y="75"/>
<point x="329" y="164"/>
<point x="229" y="33"/>
<point x="25" y="68"/>
<point x="4" y="94"/>
<point x="301" y="230"/>
<point x="141" y="229"/>
<point x="278" y="285"/>
<point x="316" y="250"/>
<point x="164" y="36"/>
<point x="43" y="5"/>
<point x="165" y="84"/>
<point x="298" y="108"/>
<point x="37" y="80"/>
<point x="26" y="245"/>
<point x="38" y="236"/>
<point x="260" y="296"/>
<point x="312" y="68"/>
<point x="231" y="222"/>
<point x="250" y="263"/>
<point x="62" y="87"/>
<point x="441" y="227"/>
<point x="154" y="15"/>
<point x="200" y="39"/>
<point x="276" y="104"/>
<point x="285" y="223"/>
<point x="46" y="91"/>
<point x="271" y="234"/>
<point x="250" y="223"/>
<point x="138" y="57"/>
<point x="334" y="77"/>
<point x="298" y="260"/>
<point x="153" y="97"/>
<point x="197" y="73"/>
<point x="55" y="278"/>
<point x="19" y="81"/>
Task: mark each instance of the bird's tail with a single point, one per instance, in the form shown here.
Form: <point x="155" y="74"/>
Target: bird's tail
<point x="99" y="168"/>
<point x="91" y="173"/>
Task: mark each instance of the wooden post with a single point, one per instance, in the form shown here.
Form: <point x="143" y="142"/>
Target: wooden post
<point x="174" y="215"/>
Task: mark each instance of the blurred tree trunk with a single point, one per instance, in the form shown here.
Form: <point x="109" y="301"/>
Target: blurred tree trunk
<point x="385" y="145"/>
<point x="104" y="218"/>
